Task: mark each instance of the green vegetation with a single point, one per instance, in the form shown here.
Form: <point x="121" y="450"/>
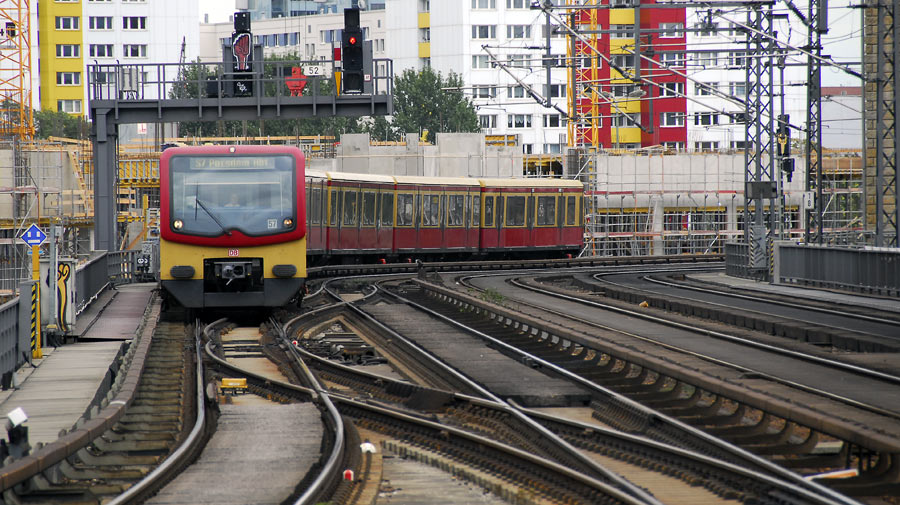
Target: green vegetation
<point x="50" y="123"/>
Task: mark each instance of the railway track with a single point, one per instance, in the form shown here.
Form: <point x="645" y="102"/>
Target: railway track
<point x="489" y="414"/>
<point x="684" y="386"/>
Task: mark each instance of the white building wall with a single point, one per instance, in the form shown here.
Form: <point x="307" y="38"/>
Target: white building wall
<point x="729" y="76"/>
<point x="170" y="23"/>
<point x="401" y="20"/>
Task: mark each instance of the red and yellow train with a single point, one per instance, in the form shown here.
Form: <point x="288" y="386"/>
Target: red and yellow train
<point x="239" y="223"/>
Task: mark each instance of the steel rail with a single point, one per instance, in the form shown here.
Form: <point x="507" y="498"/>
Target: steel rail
<point x="865" y="372"/>
<point x="190" y="444"/>
<point x="812" y="308"/>
<point x="793" y="482"/>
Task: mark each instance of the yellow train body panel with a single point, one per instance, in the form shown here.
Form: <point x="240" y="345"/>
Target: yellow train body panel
<point x="177" y="254"/>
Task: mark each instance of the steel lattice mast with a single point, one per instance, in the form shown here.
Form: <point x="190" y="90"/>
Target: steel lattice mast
<point x="16" y="114"/>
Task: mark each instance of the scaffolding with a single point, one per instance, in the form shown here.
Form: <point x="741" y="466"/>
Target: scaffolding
<point x="16" y="114"/>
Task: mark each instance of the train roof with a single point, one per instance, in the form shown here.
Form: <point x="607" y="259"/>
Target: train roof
<point x="344" y="176"/>
<point x="436" y="181"/>
<point x="532" y="183"/>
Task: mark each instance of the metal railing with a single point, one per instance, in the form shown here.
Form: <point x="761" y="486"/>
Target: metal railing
<point x="864" y="270"/>
<point x="180" y="81"/>
<point x="91" y="279"/>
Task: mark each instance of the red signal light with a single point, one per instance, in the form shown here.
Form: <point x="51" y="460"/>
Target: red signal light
<point x="352" y="41"/>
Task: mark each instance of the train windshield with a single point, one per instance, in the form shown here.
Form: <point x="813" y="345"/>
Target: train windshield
<point x="214" y="195"/>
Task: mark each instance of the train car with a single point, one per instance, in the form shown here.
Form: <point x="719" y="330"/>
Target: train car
<point x="360" y="207"/>
<point x="531" y="217"/>
<point x="434" y="216"/>
<point x="316" y="214"/>
<point x="233" y="225"/>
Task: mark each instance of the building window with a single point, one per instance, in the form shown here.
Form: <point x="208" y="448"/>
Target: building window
<point x="481" y="61"/>
<point x="99" y="1"/>
<point x="738" y="88"/>
<point x="134" y="1"/>
<point x="519" y="60"/>
<point x="623" y="61"/>
<point x="706" y="29"/>
<point x="134" y="51"/>
<point x="585" y="61"/>
<point x="101" y="50"/>
<point x="66" y="22"/>
<point x="100" y="22"/>
<point x="518" y="31"/>
<point x="424" y="34"/>
<point x="706" y="119"/>
<point x="671" y="58"/>
<point x="706" y="146"/>
<point x="671" y="119"/>
<point x="484" y="4"/>
<point x="487" y="121"/>
<point x="737" y="59"/>
<point x="481" y="91"/>
<point x="556" y="31"/>
<point x="515" y="91"/>
<point x="621" y="31"/>
<point x="705" y="88"/>
<point x="552" y="121"/>
<point x="622" y="90"/>
<point x="671" y="29"/>
<point x="738" y="144"/>
<point x="70" y="106"/>
<point x="678" y="146"/>
<point x="103" y="77"/>
<point x="134" y="23"/>
<point x="517" y="4"/>
<point x="555" y="91"/>
<point x="68" y="78"/>
<point x="707" y="59"/>
<point x="552" y="149"/>
<point x="527" y="148"/>
<point x="518" y="121"/>
<point x="671" y="89"/>
<point x="618" y="4"/>
<point x="68" y="50"/>
<point x="626" y="120"/>
<point x="484" y="31"/>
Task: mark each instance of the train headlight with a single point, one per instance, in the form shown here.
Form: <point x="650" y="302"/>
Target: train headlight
<point x="178" y="224"/>
<point x="288" y="222"/>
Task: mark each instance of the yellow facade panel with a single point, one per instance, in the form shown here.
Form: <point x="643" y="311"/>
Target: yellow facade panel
<point x="621" y="46"/>
<point x="61" y="14"/>
<point x="628" y="135"/>
<point x="424" y="49"/>
<point x="621" y="16"/>
<point x="424" y="20"/>
<point x="630" y="106"/>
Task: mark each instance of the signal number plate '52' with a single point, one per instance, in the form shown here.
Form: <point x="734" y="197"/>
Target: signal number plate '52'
<point x="233" y="253"/>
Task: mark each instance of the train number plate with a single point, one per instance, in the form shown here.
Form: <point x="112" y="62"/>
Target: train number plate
<point x="234" y="253"/>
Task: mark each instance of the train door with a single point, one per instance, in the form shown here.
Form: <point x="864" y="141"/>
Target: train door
<point x="547" y="230"/>
<point x="368" y="238"/>
<point x="386" y="213"/>
<point x="315" y="213"/>
<point x="335" y="207"/>
<point x="475" y="222"/>
<point x="529" y="220"/>
<point x="350" y="221"/>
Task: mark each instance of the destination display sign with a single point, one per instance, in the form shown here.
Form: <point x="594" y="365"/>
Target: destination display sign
<point x="232" y="162"/>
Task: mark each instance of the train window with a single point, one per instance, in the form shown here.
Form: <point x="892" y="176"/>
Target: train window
<point x="546" y="210"/>
<point x="431" y="210"/>
<point x="368" y="215"/>
<point x="350" y="204"/>
<point x="570" y="211"/>
<point x="335" y="214"/>
<point x="387" y="209"/>
<point x="405" y="208"/>
<point x="315" y="206"/>
<point x="488" y="211"/>
<point x="476" y="209"/>
<point x="529" y="216"/>
<point x="455" y="210"/>
<point x="515" y="211"/>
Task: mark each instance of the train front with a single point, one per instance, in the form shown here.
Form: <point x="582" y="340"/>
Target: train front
<point x="232" y="225"/>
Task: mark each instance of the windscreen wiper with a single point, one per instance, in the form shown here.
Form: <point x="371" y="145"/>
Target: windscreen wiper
<point x="213" y="216"/>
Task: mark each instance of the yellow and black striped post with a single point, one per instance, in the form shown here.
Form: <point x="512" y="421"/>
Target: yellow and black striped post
<point x="36" y="304"/>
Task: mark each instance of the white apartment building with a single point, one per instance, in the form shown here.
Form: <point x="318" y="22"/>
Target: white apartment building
<point x="717" y="59"/>
<point x="462" y="36"/>
<point x="107" y="32"/>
